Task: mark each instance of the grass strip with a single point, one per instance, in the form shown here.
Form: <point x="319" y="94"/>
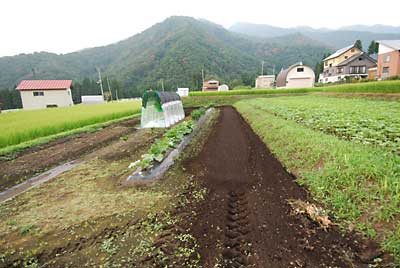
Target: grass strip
<point x="359" y="183"/>
<point x="367" y="87"/>
<point x="7" y="151"/>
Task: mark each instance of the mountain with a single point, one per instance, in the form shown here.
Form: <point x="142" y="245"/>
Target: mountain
<point x="333" y="38"/>
<point x="377" y="28"/>
<point x="175" y="50"/>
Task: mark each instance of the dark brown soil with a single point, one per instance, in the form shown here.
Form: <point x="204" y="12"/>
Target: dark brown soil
<point x="246" y="220"/>
<point x="40" y="158"/>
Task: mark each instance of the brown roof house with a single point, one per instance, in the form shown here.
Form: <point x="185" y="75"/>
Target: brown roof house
<point x="210" y="85"/>
<point x="388" y="59"/>
<point x="296" y="76"/>
<point x="346" y="62"/>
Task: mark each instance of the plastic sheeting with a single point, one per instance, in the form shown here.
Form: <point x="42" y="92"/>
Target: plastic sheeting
<point x="161" y="109"/>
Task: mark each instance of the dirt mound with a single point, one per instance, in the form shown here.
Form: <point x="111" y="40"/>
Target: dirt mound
<point x="246" y="219"/>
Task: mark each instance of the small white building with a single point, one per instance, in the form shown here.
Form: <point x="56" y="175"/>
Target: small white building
<point x="296" y="76"/>
<point x="183" y="92"/>
<point x="40" y="94"/>
<point x="92" y="99"/>
<point x="223" y="88"/>
<point x="265" y="81"/>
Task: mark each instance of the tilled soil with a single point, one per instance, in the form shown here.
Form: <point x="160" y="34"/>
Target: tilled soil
<point x="246" y="220"/>
<point x="40" y="158"/>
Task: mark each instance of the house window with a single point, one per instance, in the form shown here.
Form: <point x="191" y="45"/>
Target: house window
<point x="340" y="70"/>
<point x="360" y="59"/>
<point x="38" y="93"/>
<point x="330" y="64"/>
<point x="352" y="50"/>
<point x="386" y="58"/>
<point x="326" y="63"/>
<point x="385" y="70"/>
<point x="300" y="70"/>
<point x="345" y="57"/>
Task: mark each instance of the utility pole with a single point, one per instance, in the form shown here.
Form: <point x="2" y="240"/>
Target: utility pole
<point x="262" y="68"/>
<point x="162" y="84"/>
<point x="116" y="94"/>
<point x="101" y="82"/>
<point x="273" y="70"/>
<point x="109" y="89"/>
<point x="202" y="78"/>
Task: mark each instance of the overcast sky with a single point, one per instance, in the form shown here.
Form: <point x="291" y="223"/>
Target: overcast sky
<point x="63" y="26"/>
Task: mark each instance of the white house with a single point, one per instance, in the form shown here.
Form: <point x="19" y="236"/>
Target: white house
<point x="265" y="81"/>
<point x="296" y="76"/>
<point x="40" y="94"/>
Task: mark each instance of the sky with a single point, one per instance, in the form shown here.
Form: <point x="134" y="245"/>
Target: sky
<point x="62" y="26"/>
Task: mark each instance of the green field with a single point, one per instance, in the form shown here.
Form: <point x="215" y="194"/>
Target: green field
<point x="22" y="126"/>
<point x="370" y="87"/>
<point x="341" y="150"/>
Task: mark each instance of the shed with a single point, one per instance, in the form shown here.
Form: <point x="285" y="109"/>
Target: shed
<point x="223" y="88"/>
<point x="183" y="92"/>
<point x="40" y="94"/>
<point x="265" y="81"/>
<point x="92" y="99"/>
<point x="161" y="109"/>
<point x="296" y="76"/>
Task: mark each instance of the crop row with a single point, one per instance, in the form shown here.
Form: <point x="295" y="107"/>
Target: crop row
<point x="359" y="120"/>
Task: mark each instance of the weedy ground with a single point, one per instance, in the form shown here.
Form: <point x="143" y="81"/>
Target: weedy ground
<point x="86" y="217"/>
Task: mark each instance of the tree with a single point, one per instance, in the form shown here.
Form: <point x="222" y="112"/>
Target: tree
<point x="358" y="44"/>
<point x="373" y="48"/>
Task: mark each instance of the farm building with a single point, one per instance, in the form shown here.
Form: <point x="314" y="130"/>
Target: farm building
<point x="296" y="76"/>
<point x="388" y="59"/>
<point x="265" y="81"/>
<point x="92" y="99"/>
<point x="223" y="88"/>
<point x="161" y="109"/>
<point x="40" y="94"/>
<point x="183" y="92"/>
<point x="210" y="85"/>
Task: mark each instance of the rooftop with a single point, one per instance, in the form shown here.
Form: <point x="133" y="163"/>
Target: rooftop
<point x="395" y="44"/>
<point x="44" y="84"/>
<point x="339" y="52"/>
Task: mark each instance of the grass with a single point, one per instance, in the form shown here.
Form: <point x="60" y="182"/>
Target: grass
<point x="24" y="126"/>
<point x="370" y="87"/>
<point x="359" y="183"/>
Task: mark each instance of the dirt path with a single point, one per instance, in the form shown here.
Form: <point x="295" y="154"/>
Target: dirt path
<point x="246" y="220"/>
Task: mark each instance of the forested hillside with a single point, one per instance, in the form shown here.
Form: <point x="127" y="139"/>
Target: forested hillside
<point x="175" y="50"/>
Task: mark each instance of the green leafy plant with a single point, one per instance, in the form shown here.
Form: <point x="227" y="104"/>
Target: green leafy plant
<point x="160" y="147"/>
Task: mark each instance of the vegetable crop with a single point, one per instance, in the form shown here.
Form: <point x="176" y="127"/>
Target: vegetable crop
<point x="359" y="120"/>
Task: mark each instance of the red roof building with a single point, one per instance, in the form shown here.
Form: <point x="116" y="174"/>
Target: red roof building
<point x="40" y="94"/>
<point x="44" y="84"/>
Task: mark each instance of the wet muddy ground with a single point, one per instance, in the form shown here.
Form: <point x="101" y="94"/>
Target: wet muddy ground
<point x="246" y="220"/>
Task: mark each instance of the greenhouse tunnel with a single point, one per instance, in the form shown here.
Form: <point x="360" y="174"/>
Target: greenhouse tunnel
<point x="161" y="109"/>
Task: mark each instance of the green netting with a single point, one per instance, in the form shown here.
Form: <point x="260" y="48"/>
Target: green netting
<point x="152" y="98"/>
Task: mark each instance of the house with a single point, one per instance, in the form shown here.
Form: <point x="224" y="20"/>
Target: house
<point x="210" y="85"/>
<point x="346" y="62"/>
<point x="40" y="94"/>
<point x="296" y="76"/>
<point x="265" y="81"/>
<point x="388" y="59"/>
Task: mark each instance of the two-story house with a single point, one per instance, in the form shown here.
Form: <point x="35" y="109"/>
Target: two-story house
<point x="388" y="59"/>
<point x="346" y="62"/>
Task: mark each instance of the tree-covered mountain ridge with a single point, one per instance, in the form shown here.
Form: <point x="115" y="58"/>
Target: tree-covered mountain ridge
<point x="175" y="51"/>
